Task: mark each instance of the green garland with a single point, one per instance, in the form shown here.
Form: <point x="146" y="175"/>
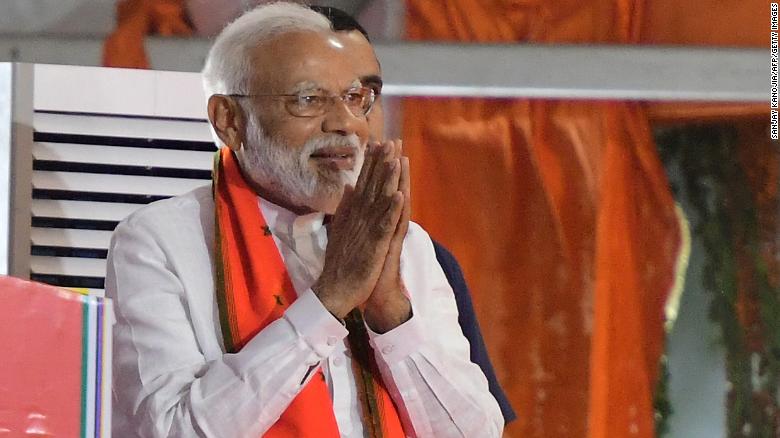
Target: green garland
<point x="661" y="404"/>
<point x="719" y="192"/>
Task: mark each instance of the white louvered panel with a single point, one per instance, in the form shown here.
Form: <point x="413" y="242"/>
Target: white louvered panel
<point x="123" y="156"/>
<point x="122" y="127"/>
<point x="122" y="184"/>
<point x="99" y="211"/>
<point x="70" y="238"/>
<point x="119" y="91"/>
<point x="72" y="266"/>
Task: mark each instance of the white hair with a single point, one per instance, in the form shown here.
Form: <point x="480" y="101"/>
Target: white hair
<point x="228" y="67"/>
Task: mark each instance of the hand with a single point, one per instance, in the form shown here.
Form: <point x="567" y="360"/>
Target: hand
<point x="388" y="305"/>
<point x="360" y="233"/>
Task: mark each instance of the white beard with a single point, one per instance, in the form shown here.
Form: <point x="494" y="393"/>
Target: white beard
<point x="286" y="173"/>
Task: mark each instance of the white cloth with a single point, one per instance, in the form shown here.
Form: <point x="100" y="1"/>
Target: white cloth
<point x="173" y="378"/>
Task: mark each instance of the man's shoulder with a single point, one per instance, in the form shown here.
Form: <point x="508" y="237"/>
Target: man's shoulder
<point x="190" y="214"/>
<point x="190" y="205"/>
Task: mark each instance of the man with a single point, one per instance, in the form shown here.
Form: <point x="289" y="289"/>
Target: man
<point x="294" y="298"/>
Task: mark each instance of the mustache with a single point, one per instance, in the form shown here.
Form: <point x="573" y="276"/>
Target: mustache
<point x="331" y="140"/>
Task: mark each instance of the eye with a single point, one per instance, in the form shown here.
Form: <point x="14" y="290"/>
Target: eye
<point x="310" y="100"/>
<point x="353" y="98"/>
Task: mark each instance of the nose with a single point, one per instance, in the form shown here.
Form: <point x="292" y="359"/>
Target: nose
<point x="340" y="120"/>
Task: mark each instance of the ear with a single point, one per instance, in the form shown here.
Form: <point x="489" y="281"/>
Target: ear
<point x="227" y="118"/>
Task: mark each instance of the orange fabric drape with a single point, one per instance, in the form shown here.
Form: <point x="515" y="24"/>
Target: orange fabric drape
<point x="560" y="212"/>
<point x="135" y="20"/>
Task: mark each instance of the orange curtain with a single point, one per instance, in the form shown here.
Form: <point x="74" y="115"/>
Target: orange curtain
<point x="560" y="212"/>
<point x="135" y="20"/>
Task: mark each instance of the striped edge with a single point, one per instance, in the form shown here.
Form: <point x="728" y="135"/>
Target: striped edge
<point x="99" y="368"/>
<point x="95" y="368"/>
<point x="226" y="320"/>
<point x="222" y="298"/>
<point x="108" y="320"/>
<point x="91" y="365"/>
<point x="84" y="359"/>
<point x="672" y="307"/>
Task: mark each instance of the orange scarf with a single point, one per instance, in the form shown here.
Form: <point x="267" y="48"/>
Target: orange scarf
<point x="254" y="289"/>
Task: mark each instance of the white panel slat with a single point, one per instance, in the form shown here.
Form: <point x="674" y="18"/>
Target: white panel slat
<point x="70" y="238"/>
<point x="123" y="156"/>
<point x="123" y="184"/>
<point x="113" y="90"/>
<point x="73" y="266"/>
<point x="121" y="91"/>
<point x="122" y="127"/>
<point x="100" y="211"/>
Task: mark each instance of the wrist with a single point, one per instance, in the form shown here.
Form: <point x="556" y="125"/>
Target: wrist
<point x="331" y="301"/>
<point x="381" y="317"/>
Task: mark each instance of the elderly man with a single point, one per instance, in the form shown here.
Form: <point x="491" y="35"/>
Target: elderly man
<point x="294" y="297"/>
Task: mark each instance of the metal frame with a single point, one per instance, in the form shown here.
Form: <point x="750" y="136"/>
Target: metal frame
<point x="475" y="70"/>
<point x="576" y="72"/>
<point x="16" y="113"/>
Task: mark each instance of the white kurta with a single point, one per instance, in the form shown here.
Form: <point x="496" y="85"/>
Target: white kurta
<point x="173" y="378"/>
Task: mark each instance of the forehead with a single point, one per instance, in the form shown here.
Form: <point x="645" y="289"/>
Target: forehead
<point x="333" y="60"/>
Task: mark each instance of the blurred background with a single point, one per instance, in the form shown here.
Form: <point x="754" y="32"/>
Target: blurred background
<point x="623" y="254"/>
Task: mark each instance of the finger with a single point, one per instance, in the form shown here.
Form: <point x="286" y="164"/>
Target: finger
<point x="391" y="183"/>
<point x="397" y="241"/>
<point x="398" y="148"/>
<point x="392" y="215"/>
<point x="369" y="162"/>
<point x="404" y="186"/>
<point x="382" y="171"/>
<point x="404" y="181"/>
<point x="406" y="212"/>
<point x="379" y="173"/>
<point x="389" y="150"/>
<point x="393" y="149"/>
<point x="390" y="145"/>
<point x="396" y="244"/>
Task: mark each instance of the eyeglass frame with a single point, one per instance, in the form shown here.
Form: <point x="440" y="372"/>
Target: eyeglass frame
<point x="331" y="98"/>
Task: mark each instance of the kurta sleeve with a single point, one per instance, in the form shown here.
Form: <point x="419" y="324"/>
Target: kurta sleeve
<point x="425" y="361"/>
<point x="163" y="383"/>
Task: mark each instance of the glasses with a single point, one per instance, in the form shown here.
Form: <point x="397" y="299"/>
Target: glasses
<point x="359" y="101"/>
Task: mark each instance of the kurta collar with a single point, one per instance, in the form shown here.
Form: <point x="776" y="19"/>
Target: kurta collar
<point x="286" y="224"/>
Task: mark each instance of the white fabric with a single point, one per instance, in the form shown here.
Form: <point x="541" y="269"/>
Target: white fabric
<point x="173" y="378"/>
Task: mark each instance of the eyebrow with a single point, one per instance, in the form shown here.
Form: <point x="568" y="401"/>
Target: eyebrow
<point x="305" y="86"/>
<point x="374" y="81"/>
